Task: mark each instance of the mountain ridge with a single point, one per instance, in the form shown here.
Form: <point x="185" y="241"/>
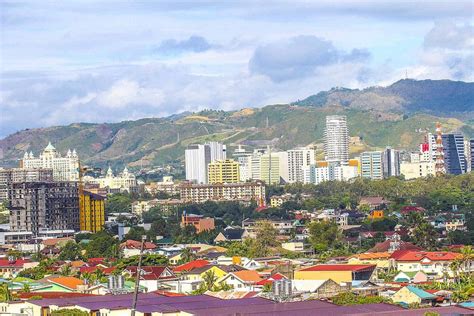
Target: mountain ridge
<point x="396" y="115"/>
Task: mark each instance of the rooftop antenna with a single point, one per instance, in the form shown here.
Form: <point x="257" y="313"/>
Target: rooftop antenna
<point x="439" y="165"/>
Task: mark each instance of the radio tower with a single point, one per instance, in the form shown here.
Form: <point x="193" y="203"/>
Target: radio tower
<point x="439" y="166"/>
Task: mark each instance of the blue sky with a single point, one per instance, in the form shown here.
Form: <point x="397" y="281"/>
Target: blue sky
<point x="107" y="61"/>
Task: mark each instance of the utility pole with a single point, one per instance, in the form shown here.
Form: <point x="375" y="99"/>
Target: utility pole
<point x="137" y="277"/>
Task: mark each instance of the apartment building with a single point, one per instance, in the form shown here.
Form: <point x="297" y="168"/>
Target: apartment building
<point x="242" y="192"/>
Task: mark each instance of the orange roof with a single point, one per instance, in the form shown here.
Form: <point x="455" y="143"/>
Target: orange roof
<point x="191" y="265"/>
<point x="247" y="275"/>
<point x="372" y="255"/>
<point x="431" y="255"/>
<point x="68" y="282"/>
<point x="55" y="241"/>
<point x="77" y="264"/>
<point x="341" y="267"/>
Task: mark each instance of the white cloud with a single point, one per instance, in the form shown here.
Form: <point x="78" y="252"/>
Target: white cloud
<point x="125" y="92"/>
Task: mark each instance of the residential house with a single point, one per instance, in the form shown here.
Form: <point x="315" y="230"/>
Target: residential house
<point x="246" y="280"/>
<point x="11" y="266"/>
<point x="373" y="202"/>
<point x="67" y="284"/>
<point x="229" y="234"/>
<point x="278" y="200"/>
<point x="219" y="271"/>
<point x="411" y="277"/>
<point x="413" y="295"/>
<point x="319" y="289"/>
<point x="337" y="272"/>
<point x="295" y="246"/>
<point x="434" y="264"/>
<point x="190" y="266"/>
<point x="200" y="222"/>
<point x="379" y="259"/>
<point x="132" y="248"/>
<point x="152" y="276"/>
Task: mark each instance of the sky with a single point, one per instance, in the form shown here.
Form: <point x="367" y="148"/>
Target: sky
<point x="107" y="61"/>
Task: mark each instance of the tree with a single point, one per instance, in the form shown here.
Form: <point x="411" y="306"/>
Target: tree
<point x="209" y="279"/>
<point x="265" y="239"/>
<point x="101" y="245"/>
<point x="5" y="294"/>
<point x="238" y="248"/>
<point x="118" y="203"/>
<point x="425" y="235"/>
<point x="147" y="260"/>
<point x="135" y="233"/>
<point x="69" y="312"/>
<point x="70" y="251"/>
<point x="66" y="270"/>
<point x="187" y="255"/>
<point x="324" y="235"/>
<point x="26" y="288"/>
<point x="349" y="298"/>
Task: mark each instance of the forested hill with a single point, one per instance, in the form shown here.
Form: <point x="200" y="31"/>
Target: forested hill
<point x="397" y="116"/>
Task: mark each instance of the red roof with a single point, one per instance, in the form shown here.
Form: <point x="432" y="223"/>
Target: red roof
<point x="137" y="244"/>
<point x="341" y="267"/>
<point x="106" y="271"/>
<point x="420" y="255"/>
<point x="191" y="265"/>
<point x="19" y="263"/>
<point x="275" y="277"/>
<point x="385" y="246"/>
<point x="167" y="294"/>
<point x="411" y="208"/>
<point x="152" y="272"/>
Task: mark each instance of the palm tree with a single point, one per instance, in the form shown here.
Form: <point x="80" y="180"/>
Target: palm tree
<point x="5" y="294"/>
<point x="187" y="255"/>
<point x="209" y="279"/>
<point x="66" y="270"/>
<point x="26" y="288"/>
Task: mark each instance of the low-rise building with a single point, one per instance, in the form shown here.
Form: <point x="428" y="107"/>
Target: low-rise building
<point x="200" y="222"/>
<point x="337" y="272"/>
<point x="413" y="170"/>
<point x="278" y="200"/>
<point x="241" y="192"/>
<point x="434" y="264"/>
<point x="413" y="295"/>
<point x="167" y="186"/>
<point x="124" y="182"/>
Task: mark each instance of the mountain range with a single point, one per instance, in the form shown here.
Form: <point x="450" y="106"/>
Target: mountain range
<point x="398" y="115"/>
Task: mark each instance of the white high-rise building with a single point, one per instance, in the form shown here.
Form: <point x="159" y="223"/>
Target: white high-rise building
<point x="64" y="168"/>
<point x="218" y="151"/>
<point x="196" y="159"/>
<point x="391" y="162"/>
<point x="298" y="160"/>
<point x="336" y="139"/>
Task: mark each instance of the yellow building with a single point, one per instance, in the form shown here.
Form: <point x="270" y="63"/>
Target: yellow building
<point x="413" y="295"/>
<point x="223" y="171"/>
<point x="380" y="259"/>
<point x="197" y="274"/>
<point x="336" y="272"/>
<point x="91" y="212"/>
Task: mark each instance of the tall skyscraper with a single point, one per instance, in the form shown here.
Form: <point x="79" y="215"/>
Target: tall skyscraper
<point x="391" y="162"/>
<point x="454" y="155"/>
<point x="299" y="159"/>
<point x="218" y="151"/>
<point x="64" y="168"/>
<point x="196" y="159"/>
<point x="471" y="142"/>
<point x="371" y="165"/>
<point x="35" y="206"/>
<point x="336" y="139"/>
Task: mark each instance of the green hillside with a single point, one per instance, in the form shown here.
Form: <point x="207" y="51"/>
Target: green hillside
<point x="153" y="141"/>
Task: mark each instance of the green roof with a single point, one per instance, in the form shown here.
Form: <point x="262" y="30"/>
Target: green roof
<point x="420" y="293"/>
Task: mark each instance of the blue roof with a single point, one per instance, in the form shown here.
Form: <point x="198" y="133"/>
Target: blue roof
<point x="467" y="304"/>
<point x="420" y="293"/>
